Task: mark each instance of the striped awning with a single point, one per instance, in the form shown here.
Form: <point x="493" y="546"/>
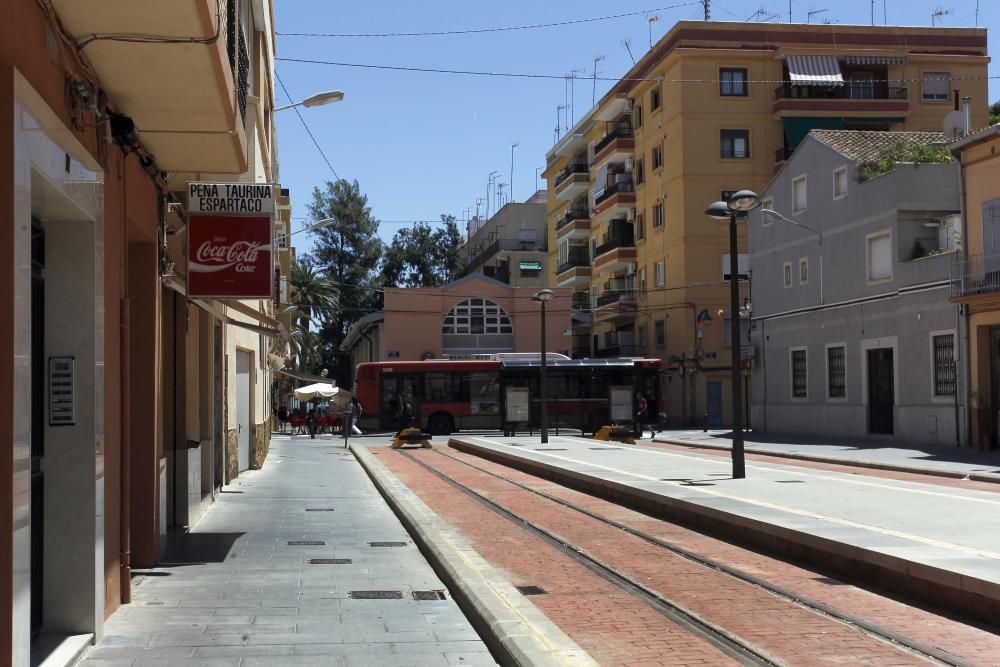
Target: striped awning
<point x="875" y="60"/>
<point x="814" y="70"/>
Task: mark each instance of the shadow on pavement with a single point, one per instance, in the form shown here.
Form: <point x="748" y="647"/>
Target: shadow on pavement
<point x="192" y="548"/>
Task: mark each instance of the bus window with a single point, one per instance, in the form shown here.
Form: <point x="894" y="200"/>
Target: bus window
<point x="484" y="389"/>
<point x="445" y="388"/>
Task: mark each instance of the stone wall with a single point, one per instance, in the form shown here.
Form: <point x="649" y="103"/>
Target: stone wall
<point x="232" y="454"/>
<point x="260" y="443"/>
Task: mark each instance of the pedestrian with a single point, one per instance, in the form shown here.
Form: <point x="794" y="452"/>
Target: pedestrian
<point x="282" y="418"/>
<point x="640" y="413"/>
<point x="351" y="417"/>
<point x="404" y="414"/>
<point x="311" y="422"/>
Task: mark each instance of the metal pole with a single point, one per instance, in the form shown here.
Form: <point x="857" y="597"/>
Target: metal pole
<point x="545" y="405"/>
<point x="739" y="467"/>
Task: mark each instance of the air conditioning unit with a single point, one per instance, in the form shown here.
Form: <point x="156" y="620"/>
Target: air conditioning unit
<point x="630" y="214"/>
<point x="629" y="164"/>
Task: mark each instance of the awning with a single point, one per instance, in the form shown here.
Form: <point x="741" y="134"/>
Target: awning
<point x="796" y="129"/>
<point x="814" y="70"/>
<point x="531" y="266"/>
<point x="875" y="60"/>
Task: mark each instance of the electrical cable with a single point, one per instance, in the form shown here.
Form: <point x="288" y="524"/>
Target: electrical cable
<point x="158" y="39"/>
<point x="306" y="126"/>
<point x="473" y="31"/>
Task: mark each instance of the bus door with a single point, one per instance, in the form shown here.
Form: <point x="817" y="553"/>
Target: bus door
<point x="393" y="385"/>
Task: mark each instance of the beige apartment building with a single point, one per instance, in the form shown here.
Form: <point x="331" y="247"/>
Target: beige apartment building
<point x="711" y="109"/>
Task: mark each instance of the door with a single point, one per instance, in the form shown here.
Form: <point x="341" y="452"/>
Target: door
<point x="991" y="240"/>
<point x="38" y="368"/>
<point x="881" y="391"/>
<point x="714" y="403"/>
<point x="243" y="408"/>
<point x="995" y="383"/>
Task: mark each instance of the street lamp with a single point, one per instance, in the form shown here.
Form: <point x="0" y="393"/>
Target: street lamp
<point x="738" y="206"/>
<point x="542" y="297"/>
<point x="812" y="230"/>
<point x="317" y="100"/>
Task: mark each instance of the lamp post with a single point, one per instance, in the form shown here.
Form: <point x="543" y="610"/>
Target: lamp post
<point x="542" y="297"/>
<point x="738" y="206"/>
<point x="317" y="100"/>
<point x="812" y="230"/>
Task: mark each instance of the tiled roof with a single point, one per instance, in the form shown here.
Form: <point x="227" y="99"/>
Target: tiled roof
<point x="866" y="145"/>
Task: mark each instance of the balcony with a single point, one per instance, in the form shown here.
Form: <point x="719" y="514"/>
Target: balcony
<point x="572" y="181"/>
<point x="616" y="197"/>
<point x="187" y="100"/>
<point x="617" y="296"/>
<point x="620" y="351"/>
<point x="617" y="145"/>
<point x="616" y="302"/>
<point x="581" y="301"/>
<point x="618" y="250"/>
<point x="575" y="269"/>
<point x="976" y="277"/>
<point x="852" y="97"/>
<point x="574" y="225"/>
<point x="480" y="256"/>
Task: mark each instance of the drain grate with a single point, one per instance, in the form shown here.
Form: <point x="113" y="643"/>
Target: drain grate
<point x="330" y="561"/>
<point x="603" y="449"/>
<point x="320" y="509"/>
<point x="530" y="590"/>
<point x="306" y="543"/>
<point x="550" y="449"/>
<point x="375" y="595"/>
<point x="429" y="595"/>
<point x="387" y="544"/>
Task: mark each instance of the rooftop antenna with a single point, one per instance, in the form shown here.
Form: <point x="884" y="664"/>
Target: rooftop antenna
<point x="789" y="11"/>
<point x="977" y="13"/>
<point x="559" y="111"/>
<point x="572" y="93"/>
<point x="627" y="43"/>
<point x="938" y="13"/>
<point x="814" y="12"/>
<point x="762" y="16"/>
<point x="655" y="18"/>
<point x="598" y="58"/>
<point x="707" y="4"/>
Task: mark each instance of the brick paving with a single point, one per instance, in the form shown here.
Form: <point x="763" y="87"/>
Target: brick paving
<point x="976" y="645"/>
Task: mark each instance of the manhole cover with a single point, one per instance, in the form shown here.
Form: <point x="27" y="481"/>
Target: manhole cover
<point x="530" y="590"/>
<point x="306" y="543"/>
<point x="330" y="561"/>
<point x="320" y="509"/>
<point x="387" y="544"/>
<point x="429" y="595"/>
<point x="375" y="595"/>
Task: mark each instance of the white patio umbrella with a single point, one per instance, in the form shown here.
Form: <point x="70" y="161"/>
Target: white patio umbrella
<point x="323" y="391"/>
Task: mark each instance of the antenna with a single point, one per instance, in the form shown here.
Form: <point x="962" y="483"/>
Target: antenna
<point x="813" y="13"/>
<point x="789" y="11"/>
<point x="559" y="110"/>
<point x="598" y="58"/>
<point x="938" y="13"/>
<point x="655" y="18"/>
<point x="572" y="93"/>
<point x="763" y="16"/>
<point x="707" y="4"/>
<point x="977" y="13"/>
<point x="627" y="43"/>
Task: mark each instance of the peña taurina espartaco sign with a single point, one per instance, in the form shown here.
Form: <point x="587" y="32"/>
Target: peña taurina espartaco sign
<point x="230" y="232"/>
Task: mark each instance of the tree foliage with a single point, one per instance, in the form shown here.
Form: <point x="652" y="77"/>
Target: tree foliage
<point x="316" y="301"/>
<point x="423" y="257"/>
<point x="995" y="113"/>
<point x="903" y="151"/>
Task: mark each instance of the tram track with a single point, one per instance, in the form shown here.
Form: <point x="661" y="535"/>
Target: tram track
<point x="726" y="641"/>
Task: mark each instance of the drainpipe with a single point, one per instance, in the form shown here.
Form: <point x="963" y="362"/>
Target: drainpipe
<point x="963" y="310"/>
<point x="125" y="440"/>
<point x="966" y="115"/>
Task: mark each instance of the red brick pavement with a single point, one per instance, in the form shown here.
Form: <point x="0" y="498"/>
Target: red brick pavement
<point x="614" y="627"/>
<point x="974" y="644"/>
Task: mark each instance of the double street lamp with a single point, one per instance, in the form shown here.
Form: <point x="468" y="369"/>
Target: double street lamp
<point x="543" y="296"/>
<point x="737" y="207"/>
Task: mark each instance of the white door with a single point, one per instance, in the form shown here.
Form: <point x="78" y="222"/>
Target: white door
<point x="243" y="408"/>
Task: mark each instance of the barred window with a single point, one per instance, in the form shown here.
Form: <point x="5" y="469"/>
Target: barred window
<point x="477" y="316"/>
<point x="944" y="365"/>
<point x="799" y="383"/>
<point x="836" y="372"/>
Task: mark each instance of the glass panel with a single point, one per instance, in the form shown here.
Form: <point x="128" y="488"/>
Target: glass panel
<point x="799" y="374"/>
<point x="944" y="365"/>
<point x="836" y="368"/>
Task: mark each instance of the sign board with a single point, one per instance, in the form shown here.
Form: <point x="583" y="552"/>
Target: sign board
<point x="230" y="233"/>
<point x="621" y="404"/>
<point x="61" y="391"/>
<point x="517" y="404"/>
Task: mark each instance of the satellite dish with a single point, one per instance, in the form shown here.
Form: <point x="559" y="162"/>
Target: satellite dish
<point x="954" y="124"/>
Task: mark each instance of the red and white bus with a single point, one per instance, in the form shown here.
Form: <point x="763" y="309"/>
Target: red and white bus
<point x="449" y="396"/>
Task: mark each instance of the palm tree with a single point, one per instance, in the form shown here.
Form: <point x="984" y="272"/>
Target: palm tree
<point x="316" y="299"/>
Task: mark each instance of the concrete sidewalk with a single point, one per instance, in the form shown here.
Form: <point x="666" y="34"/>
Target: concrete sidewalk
<point x="903" y="457"/>
<point x="236" y="591"/>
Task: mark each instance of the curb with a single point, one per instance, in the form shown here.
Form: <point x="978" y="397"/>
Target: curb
<point x="992" y="478"/>
<point x="515" y="630"/>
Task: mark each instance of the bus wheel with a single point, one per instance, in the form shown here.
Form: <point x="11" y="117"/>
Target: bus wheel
<point x="440" y="423"/>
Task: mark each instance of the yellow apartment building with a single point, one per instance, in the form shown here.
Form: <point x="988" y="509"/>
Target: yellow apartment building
<point x="713" y="108"/>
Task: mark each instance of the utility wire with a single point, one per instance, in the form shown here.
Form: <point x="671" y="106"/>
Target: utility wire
<point x="306" y="126"/>
<point x="473" y="31"/>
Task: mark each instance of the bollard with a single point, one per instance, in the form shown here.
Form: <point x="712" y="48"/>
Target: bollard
<point x="704" y="426"/>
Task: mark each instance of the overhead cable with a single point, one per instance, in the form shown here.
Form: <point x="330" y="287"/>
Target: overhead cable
<point x="306" y="126"/>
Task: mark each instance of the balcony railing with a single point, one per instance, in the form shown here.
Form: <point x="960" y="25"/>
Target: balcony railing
<point x="570" y="169"/>
<point x="581" y="301"/>
<point x="572" y="215"/>
<point x="576" y="258"/>
<point x="503" y="245"/>
<point x="976" y="274"/>
<point x="625" y="240"/>
<point x="615" y="188"/>
<point x="617" y="296"/>
<point x="620" y="131"/>
<point x="620" y="351"/>
<point x="857" y="90"/>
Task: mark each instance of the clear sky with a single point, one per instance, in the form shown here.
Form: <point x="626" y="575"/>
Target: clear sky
<point x="423" y="144"/>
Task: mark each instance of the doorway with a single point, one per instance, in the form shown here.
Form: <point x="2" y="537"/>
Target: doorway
<point x="243" y="362"/>
<point x="37" y="422"/>
<point x="713" y="390"/>
<point x="995" y="385"/>
<point x="881" y="391"/>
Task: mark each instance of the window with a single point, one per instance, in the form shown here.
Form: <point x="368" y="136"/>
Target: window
<point x="803" y="270"/>
<point x="799" y="375"/>
<point x="640" y="226"/>
<point x="799" y="194"/>
<point x="836" y="371"/>
<point x="766" y="219"/>
<point x="734" y="144"/>
<point x="477" y="316"/>
<point x="660" y="333"/>
<point x="657" y="156"/>
<point x="563" y="251"/>
<point x="787" y="271"/>
<point x="642" y="279"/>
<point x="936" y="86"/>
<point x="593" y="248"/>
<point x="658" y="214"/>
<point x="744" y="331"/>
<point x="880" y="256"/>
<point x="654" y="98"/>
<point x="840" y="183"/>
<point x="944" y="364"/>
<point x="593" y="297"/>
<point x="733" y="82"/>
<point x="642" y="337"/>
<point x="640" y="172"/>
<point x="742" y="265"/>
<point x="659" y="274"/>
<point x="637" y="116"/>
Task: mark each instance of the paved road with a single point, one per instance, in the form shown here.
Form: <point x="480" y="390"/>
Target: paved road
<point x="237" y="593"/>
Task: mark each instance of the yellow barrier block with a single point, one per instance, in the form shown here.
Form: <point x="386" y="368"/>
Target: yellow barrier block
<point x="410" y="436"/>
<point x="616" y="433"/>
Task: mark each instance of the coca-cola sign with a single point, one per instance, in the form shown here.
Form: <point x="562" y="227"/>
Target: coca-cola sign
<point x="229" y="257"/>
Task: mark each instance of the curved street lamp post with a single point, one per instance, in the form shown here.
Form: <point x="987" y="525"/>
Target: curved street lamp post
<point x="543" y="296"/>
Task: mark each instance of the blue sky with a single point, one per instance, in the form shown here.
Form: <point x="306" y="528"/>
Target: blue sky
<point x="423" y="144"/>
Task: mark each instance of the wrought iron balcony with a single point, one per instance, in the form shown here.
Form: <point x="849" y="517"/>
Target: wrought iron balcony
<point x="615" y="188"/>
<point x="569" y="170"/>
<point x="609" y="297"/>
<point x="619" y="131"/>
<point x="626" y="239"/>
<point x="573" y="214"/>
<point x="851" y="90"/>
<point x="581" y="301"/>
<point x="975" y="274"/>
<point x="578" y="256"/>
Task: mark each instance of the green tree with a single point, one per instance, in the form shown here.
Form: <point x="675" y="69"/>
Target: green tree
<point x="995" y="113"/>
<point x="315" y="296"/>
<point x="347" y="253"/>
<point x="903" y="151"/>
<point x="422" y="257"/>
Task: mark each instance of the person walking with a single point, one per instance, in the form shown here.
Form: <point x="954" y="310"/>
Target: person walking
<point x="404" y="414"/>
<point x="640" y="413"/>
<point x="282" y="418"/>
<point x="311" y="423"/>
<point x="351" y="416"/>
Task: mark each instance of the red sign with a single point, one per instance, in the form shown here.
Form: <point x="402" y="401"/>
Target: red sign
<point x="229" y="257"/>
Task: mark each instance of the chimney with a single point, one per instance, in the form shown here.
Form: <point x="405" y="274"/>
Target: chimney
<point x="966" y="114"/>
